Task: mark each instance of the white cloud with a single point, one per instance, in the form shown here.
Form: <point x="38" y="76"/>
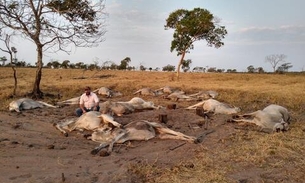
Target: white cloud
<point x="285" y="34"/>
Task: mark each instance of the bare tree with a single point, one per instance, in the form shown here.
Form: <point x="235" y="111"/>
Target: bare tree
<point x="275" y="59"/>
<point x="54" y="25"/>
<point x="10" y="51"/>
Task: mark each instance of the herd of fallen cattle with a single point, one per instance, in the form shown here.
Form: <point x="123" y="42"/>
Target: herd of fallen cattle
<point x="107" y="131"/>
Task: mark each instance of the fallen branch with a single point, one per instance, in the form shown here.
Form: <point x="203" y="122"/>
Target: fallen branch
<point x="200" y="137"/>
<point x="173" y="148"/>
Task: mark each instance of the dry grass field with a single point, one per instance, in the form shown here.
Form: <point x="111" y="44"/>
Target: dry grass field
<point x="245" y="155"/>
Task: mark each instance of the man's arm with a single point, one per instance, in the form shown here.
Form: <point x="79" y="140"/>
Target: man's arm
<point x="97" y="102"/>
<point x="82" y="106"/>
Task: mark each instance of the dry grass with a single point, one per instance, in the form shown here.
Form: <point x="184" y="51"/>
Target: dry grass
<point x="282" y="152"/>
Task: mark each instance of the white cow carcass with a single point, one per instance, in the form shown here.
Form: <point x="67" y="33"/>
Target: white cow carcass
<point x="72" y="101"/>
<point x="216" y="107"/>
<point x="148" y="92"/>
<point x="205" y="94"/>
<point x="180" y="96"/>
<point x="104" y="91"/>
<point x="273" y="117"/>
<point x="91" y="120"/>
<point x="139" y="103"/>
<point x="169" y="90"/>
<point x="116" y="108"/>
<point x="27" y="103"/>
<point x="119" y="108"/>
<point x="138" y="130"/>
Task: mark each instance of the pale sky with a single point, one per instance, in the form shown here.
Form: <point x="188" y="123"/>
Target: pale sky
<point x="135" y="29"/>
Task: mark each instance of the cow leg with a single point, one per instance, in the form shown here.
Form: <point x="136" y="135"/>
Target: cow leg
<point x="99" y="148"/>
<point x="244" y="120"/>
<point x="200" y="104"/>
<point x="166" y="133"/>
<point x="60" y="126"/>
<point x="117" y="138"/>
<point x="109" y="120"/>
<point x="110" y="144"/>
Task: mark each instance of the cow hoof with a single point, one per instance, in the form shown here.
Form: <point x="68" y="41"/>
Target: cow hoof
<point x="230" y="121"/>
<point x="87" y="136"/>
<point x="95" y="151"/>
<point x="66" y="134"/>
<point x="104" y="153"/>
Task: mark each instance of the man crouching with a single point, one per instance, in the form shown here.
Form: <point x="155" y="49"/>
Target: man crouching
<point x="88" y="102"/>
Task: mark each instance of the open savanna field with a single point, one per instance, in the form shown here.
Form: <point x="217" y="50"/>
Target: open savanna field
<point x="233" y="153"/>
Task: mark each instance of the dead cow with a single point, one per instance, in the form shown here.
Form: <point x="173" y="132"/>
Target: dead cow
<point x="120" y="108"/>
<point x="27" y="103"/>
<point x="116" y="108"/>
<point x="71" y="101"/>
<point x="104" y="91"/>
<point x="180" y="96"/>
<point x="273" y="117"/>
<point x="169" y="90"/>
<point x="139" y="103"/>
<point x="138" y="130"/>
<point x="148" y="92"/>
<point x="88" y="121"/>
<point x="205" y="94"/>
<point x="216" y="107"/>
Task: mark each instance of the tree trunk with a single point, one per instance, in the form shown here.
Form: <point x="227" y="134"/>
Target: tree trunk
<point x="15" y="79"/>
<point x="14" y="74"/>
<point x="179" y="65"/>
<point x="36" y="92"/>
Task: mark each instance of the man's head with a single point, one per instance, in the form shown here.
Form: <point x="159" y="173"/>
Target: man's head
<point x="87" y="90"/>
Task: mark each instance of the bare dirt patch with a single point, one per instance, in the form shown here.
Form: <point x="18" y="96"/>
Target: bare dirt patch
<point x="33" y="150"/>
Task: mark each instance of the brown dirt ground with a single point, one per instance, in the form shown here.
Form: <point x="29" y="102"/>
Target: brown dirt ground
<point x="32" y="150"/>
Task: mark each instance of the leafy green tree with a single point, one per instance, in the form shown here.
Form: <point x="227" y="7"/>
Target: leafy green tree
<point x="72" y="66"/>
<point x="80" y="65"/>
<point x="198" y="69"/>
<point x="113" y="66"/>
<point x="124" y="63"/>
<point x="194" y="25"/>
<point x="65" y="64"/>
<point x="106" y="65"/>
<point x="20" y="64"/>
<point x="3" y="60"/>
<point x="56" y="64"/>
<point x="284" y="68"/>
<point x="251" y="69"/>
<point x="186" y="65"/>
<point x="54" y="25"/>
<point x="49" y="65"/>
<point x="260" y="70"/>
<point x="231" y="70"/>
<point x="168" y="68"/>
<point x="91" y="67"/>
<point x="142" y="68"/>
<point x="220" y="70"/>
<point x="212" y="69"/>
